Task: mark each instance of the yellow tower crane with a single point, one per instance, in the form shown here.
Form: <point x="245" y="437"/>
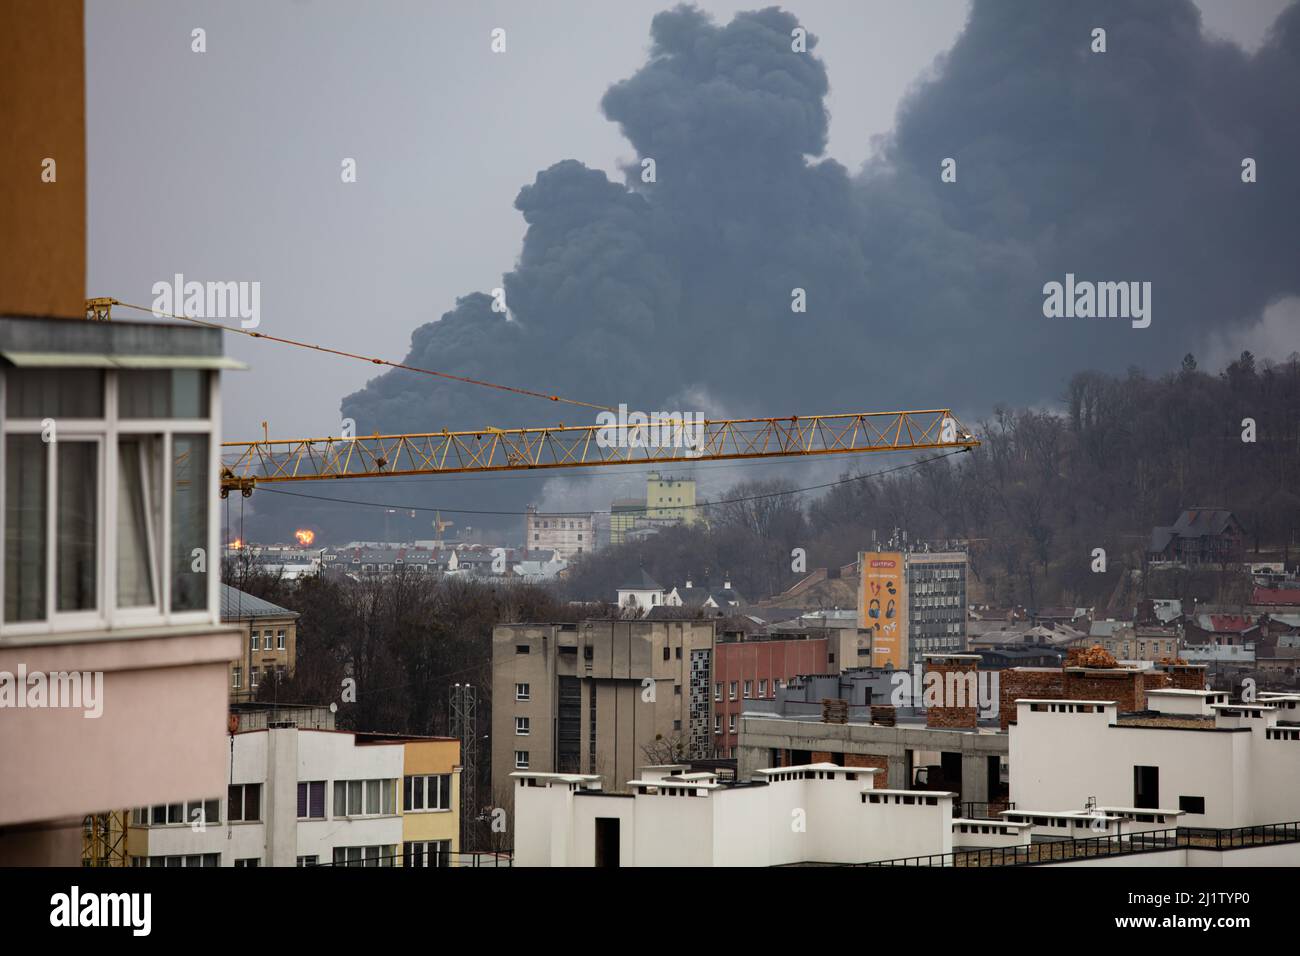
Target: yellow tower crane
<point x="265" y="461"/>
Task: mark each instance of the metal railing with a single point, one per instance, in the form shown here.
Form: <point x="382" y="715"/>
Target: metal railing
<point x="985" y="810"/>
<point x="1125" y="844"/>
<point x="476" y="859"/>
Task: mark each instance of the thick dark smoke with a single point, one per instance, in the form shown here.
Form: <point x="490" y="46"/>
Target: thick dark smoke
<point x="1122" y="166"/>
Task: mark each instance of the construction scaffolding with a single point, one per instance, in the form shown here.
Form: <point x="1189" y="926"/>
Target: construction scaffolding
<point x="463" y="713"/>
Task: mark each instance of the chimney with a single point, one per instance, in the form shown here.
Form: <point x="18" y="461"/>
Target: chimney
<point x="951" y="699"/>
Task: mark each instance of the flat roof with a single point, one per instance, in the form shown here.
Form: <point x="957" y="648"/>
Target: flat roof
<point x="662" y="782"/>
<point x="1063" y="700"/>
<point x="910" y="793"/>
<point x="821" y="766"/>
<point x="1147" y="810"/>
<point x="987" y="822"/>
<point x="562" y="777"/>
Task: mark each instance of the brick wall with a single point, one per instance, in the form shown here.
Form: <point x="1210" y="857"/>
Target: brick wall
<point x="1154" y="680"/>
<point x="1187" y="676"/>
<point x="1015" y="682"/>
<point x="1126" y="687"/>
<point x="871" y="760"/>
<point x="967" y="692"/>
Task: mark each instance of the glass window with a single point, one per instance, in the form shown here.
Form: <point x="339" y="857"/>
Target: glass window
<point x="77" y="531"/>
<point x="139" y="519"/>
<point x="354" y="797"/>
<point x="372" y="796"/>
<point x="163" y="393"/>
<point x="62" y="393"/>
<point x="26" y="467"/>
<point x="189" y="522"/>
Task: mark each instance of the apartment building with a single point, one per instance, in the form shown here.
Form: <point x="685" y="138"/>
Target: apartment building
<point x="109" y="457"/>
<point x="752" y="670"/>
<point x="818" y="813"/>
<point x="309" y="797"/>
<point x="1130" y="643"/>
<point x="270" y="641"/>
<point x="1220" y="765"/>
<point x="113" y="659"/>
<point x="936" y="588"/>
<point x="913" y="603"/>
<point x="599" y="697"/>
<point x="670" y="498"/>
<point x="567" y="535"/>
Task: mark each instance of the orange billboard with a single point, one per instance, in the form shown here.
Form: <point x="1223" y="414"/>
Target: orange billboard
<point x="882" y="606"/>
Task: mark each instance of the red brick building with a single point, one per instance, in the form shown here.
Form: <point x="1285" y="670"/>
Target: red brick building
<point x="750" y="670"/>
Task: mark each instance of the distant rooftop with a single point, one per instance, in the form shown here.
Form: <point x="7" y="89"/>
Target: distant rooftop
<point x="237" y="605"/>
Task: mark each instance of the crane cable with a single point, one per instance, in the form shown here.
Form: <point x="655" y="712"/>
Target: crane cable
<point x="705" y="504"/>
<point x="364" y="358"/>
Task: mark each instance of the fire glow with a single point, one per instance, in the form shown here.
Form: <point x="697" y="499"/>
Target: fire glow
<point x="305" y="536"/>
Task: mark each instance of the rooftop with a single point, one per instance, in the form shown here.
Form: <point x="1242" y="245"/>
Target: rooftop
<point x="237" y="605"/>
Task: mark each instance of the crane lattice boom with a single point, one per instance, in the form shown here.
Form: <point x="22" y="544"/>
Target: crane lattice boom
<point x="246" y="464"/>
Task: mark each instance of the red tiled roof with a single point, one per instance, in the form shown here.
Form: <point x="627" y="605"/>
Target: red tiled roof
<point x="1231" y="623"/>
<point x="1276" y="596"/>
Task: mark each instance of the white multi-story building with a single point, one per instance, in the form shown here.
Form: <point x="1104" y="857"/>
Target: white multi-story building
<point x="307" y="797"/>
<point x="1222" y="765"/>
<point x="568" y="535"/>
<point x="818" y="813"/>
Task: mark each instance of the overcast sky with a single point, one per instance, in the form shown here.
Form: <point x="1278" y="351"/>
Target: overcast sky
<point x="225" y="165"/>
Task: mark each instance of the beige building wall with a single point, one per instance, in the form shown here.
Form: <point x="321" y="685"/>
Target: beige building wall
<point x="566" y="535"/>
<point x="263" y="658"/>
<point x="43" y="116"/>
<point x="636" y="674"/>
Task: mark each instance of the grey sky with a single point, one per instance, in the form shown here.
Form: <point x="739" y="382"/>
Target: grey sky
<point x="225" y="165"/>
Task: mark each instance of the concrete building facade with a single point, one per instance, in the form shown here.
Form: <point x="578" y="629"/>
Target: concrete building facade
<point x="1222" y="765"/>
<point x="599" y="698"/>
<point x="566" y="534"/>
<point x="819" y="813"/>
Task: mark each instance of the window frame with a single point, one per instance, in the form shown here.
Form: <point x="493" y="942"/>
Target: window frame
<point x="106" y="432"/>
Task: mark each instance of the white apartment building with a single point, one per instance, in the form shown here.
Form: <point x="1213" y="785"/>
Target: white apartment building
<point x="568" y="535"/>
<point x="1216" y="764"/>
<point x="817" y="813"/>
<point x="311" y="797"/>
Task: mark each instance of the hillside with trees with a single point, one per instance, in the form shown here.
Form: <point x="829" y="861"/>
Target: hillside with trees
<point x="1123" y="455"/>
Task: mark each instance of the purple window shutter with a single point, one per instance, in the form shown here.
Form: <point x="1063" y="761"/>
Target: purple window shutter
<point x="302" y="800"/>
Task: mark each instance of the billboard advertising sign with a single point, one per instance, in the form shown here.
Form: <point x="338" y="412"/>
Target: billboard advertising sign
<point x="882" y="606"/>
